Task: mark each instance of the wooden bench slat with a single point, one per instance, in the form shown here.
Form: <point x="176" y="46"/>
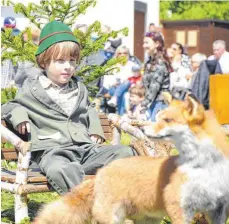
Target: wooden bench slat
<point x="104" y="122"/>
<point x="5" y="150"/>
<point x="106" y="129"/>
<point x="35" y="188"/>
<point x="32" y="180"/>
<point x="9" y="153"/>
<point x="102" y="116"/>
<point x="108" y="136"/>
<point x="34" y="176"/>
<point x="10" y="156"/>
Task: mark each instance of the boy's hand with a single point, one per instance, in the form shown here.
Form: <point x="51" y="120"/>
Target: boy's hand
<point x="23" y="128"/>
<point x="96" y="139"/>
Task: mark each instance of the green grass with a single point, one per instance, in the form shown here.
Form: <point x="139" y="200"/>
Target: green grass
<point x="35" y="201"/>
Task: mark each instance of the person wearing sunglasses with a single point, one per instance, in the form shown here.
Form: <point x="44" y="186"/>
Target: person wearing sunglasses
<point x="181" y="65"/>
<point x="156" y="75"/>
<point x="179" y="57"/>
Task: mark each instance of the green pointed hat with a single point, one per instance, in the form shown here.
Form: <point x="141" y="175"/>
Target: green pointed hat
<point x="52" y="33"/>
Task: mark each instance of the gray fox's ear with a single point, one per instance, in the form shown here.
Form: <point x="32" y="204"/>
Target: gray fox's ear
<point x="167" y="97"/>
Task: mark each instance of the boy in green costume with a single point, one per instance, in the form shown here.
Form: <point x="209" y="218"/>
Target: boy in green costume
<point x="52" y="107"/>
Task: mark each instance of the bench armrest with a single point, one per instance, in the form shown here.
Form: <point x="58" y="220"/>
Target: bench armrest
<point x="23" y="157"/>
<point x="22" y="146"/>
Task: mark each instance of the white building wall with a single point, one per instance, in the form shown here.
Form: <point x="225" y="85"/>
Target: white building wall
<point x="114" y="13"/>
<point x="153" y="11"/>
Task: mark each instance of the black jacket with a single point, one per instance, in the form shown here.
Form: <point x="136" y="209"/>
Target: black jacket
<point x="200" y="87"/>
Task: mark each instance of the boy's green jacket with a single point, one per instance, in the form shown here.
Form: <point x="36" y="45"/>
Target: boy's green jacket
<point x="50" y="125"/>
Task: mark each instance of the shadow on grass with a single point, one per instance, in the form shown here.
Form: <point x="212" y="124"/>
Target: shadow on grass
<point x="33" y="206"/>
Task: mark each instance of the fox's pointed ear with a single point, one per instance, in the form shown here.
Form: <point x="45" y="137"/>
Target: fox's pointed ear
<point x="167" y="97"/>
<point x="194" y="109"/>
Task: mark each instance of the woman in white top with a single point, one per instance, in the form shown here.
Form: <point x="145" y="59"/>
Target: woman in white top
<point x="181" y="66"/>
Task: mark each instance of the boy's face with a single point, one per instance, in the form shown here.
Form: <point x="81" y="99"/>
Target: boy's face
<point x="60" y="71"/>
<point x="135" y="99"/>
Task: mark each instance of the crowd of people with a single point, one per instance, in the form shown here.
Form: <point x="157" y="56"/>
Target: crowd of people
<point x="166" y="69"/>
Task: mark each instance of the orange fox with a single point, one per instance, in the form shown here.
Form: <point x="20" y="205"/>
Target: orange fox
<point x="74" y="207"/>
<point x="195" y="181"/>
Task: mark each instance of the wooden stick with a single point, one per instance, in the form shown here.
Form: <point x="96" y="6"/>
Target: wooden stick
<point x="134" y="131"/>
<point x="21" y="207"/>
<point x="32" y="188"/>
<point x="140" y="147"/>
<point x="152" y="148"/>
<point x="137" y="123"/>
<point x="18" y="143"/>
<point x="116" y="139"/>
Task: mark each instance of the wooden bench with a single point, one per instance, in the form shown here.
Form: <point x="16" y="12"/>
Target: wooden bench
<point x="34" y="180"/>
<point x="26" y="180"/>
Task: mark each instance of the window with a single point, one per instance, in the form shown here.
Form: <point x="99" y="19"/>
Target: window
<point x="180" y="37"/>
<point x="192" y="38"/>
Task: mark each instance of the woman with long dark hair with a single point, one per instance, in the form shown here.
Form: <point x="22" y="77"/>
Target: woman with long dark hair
<point x="181" y="67"/>
<point x="156" y="75"/>
<point x="179" y="56"/>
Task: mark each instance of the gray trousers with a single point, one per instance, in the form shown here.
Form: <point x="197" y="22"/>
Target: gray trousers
<point x="66" y="167"/>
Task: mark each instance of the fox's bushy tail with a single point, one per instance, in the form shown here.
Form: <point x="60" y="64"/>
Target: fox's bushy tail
<point x="74" y="207"/>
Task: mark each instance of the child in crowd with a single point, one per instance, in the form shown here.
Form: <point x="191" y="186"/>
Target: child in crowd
<point x="134" y="79"/>
<point x="137" y="94"/>
<point x="52" y="107"/>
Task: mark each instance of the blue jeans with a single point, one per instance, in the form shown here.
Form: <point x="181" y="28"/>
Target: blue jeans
<point x="119" y="93"/>
<point x="103" y="91"/>
<point x="122" y="88"/>
<point x="155" y="108"/>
